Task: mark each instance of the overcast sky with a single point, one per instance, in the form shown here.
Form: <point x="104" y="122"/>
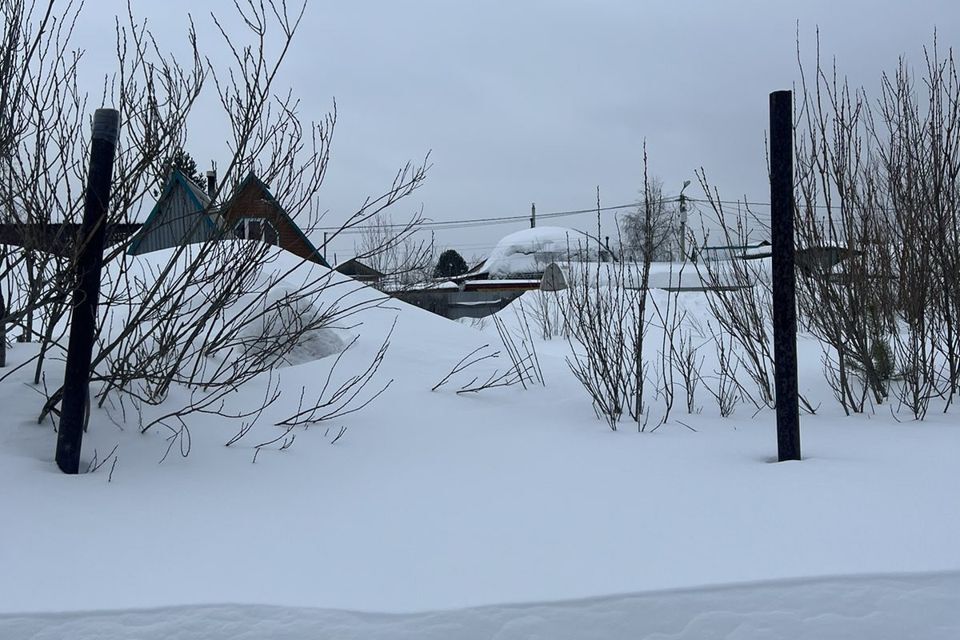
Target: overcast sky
<point x="543" y="101"/>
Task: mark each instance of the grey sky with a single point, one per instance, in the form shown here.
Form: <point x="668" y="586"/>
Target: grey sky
<point x="544" y="100"/>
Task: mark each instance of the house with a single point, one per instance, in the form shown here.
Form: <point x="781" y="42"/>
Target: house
<point x="252" y="213"/>
<point x="182" y="215"/>
<point x="524" y="254"/>
<point x="185" y="214"/>
<point x="476" y="272"/>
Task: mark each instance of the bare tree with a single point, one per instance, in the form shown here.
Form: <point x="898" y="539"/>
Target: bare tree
<point x="403" y="256"/>
<point x="651" y="231"/>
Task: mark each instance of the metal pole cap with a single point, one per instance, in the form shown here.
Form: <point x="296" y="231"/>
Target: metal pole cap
<point x="106" y="125"/>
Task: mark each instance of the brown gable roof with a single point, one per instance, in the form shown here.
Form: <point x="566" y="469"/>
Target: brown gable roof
<point x="252" y="199"/>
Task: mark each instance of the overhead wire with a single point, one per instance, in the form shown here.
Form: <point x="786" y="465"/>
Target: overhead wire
<point x="741" y="212"/>
<point x="467" y="223"/>
<point x="738" y="209"/>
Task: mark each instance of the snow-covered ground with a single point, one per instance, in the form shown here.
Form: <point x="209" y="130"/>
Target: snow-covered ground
<point x="874" y="607"/>
<point x="434" y="501"/>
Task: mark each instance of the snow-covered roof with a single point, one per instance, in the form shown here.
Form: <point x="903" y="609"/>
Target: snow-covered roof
<point x="530" y="251"/>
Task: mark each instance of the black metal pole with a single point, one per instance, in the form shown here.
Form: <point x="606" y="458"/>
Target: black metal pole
<point x="86" y="292"/>
<point x="3" y="332"/>
<point x="784" y="279"/>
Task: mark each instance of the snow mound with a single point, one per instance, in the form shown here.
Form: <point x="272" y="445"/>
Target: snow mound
<point x="876" y="607"/>
<point x="284" y="313"/>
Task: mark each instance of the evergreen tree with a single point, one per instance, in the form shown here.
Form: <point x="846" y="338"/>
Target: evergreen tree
<point x="450" y="264"/>
<point x="183" y="162"/>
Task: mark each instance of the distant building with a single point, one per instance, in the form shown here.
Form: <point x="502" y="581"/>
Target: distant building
<point x="185" y="214"/>
<point x="359" y="271"/>
<point x="524" y="254"/>
<point x="182" y="215"/>
<point x="252" y="213"/>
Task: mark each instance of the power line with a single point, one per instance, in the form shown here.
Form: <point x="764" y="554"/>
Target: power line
<point x="470" y="223"/>
<point x="749" y="203"/>
<point x="467" y="223"/>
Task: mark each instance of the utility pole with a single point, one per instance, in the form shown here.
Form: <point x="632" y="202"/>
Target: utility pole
<point x="533" y="215"/>
<point x="325" y="235"/>
<point x="784" y="277"/>
<point x="683" y="222"/>
<point x="86" y="292"/>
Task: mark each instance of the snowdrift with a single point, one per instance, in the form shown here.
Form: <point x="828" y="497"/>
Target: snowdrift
<point x="874" y="607"/>
<point x="436" y="501"/>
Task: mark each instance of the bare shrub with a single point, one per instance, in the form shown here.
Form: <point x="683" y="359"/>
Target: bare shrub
<point x="739" y="298"/>
<point x="603" y="341"/>
<point x="688" y="362"/>
<point x="678" y="359"/>
<point x="546" y="313"/>
<point x="878" y="188"/>
<point x="182" y="332"/>
<point x="726" y="389"/>
<point x="348" y="397"/>
<point x="476" y="356"/>
<point x="521" y="351"/>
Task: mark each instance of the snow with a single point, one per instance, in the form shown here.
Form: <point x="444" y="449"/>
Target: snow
<point x="531" y="250"/>
<point x="663" y="275"/>
<point x="445" y="285"/>
<point x="493" y="282"/>
<point x="874" y="607"/>
<point x="282" y="309"/>
<point x="438" y="502"/>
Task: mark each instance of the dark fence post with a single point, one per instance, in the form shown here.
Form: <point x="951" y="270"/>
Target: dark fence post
<point x="86" y="292"/>
<point x="784" y="277"/>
